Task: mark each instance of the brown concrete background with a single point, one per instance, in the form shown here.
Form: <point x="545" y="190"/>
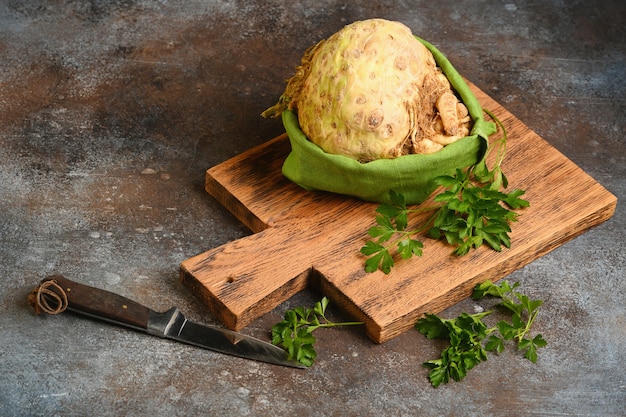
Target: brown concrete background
<point x="111" y="111"/>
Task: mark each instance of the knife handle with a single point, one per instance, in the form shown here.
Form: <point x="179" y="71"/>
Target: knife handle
<point x="95" y="302"/>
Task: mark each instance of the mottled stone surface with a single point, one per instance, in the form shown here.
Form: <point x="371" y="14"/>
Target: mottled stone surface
<point x="110" y="113"/>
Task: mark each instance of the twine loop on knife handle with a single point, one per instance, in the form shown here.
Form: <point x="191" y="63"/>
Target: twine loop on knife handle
<point x="49" y="298"/>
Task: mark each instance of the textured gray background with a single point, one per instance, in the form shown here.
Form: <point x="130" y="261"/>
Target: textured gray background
<point x="111" y="111"/>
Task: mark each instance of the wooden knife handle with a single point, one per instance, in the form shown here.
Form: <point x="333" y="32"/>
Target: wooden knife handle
<point x="95" y="302"/>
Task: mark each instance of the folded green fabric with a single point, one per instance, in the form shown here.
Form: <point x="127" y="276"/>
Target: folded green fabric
<point x="411" y="175"/>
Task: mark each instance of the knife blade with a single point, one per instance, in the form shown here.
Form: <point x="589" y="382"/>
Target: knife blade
<point x="172" y="324"/>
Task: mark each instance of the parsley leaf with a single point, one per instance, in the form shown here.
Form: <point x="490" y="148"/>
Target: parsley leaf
<point x="392" y="220"/>
<point x="470" y="338"/>
<point x="465" y="350"/>
<point x="294" y="332"/>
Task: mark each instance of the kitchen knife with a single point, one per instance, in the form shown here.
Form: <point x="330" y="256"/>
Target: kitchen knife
<point x="57" y="293"/>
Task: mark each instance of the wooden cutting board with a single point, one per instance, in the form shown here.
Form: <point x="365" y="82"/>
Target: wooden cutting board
<point x="304" y="238"/>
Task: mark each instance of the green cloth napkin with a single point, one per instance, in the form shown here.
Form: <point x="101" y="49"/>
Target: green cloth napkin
<point x="411" y="175"/>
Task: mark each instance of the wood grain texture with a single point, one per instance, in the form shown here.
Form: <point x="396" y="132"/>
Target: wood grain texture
<point x="313" y="239"/>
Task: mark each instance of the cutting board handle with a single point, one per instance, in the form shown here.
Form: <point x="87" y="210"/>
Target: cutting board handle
<point x="248" y="277"/>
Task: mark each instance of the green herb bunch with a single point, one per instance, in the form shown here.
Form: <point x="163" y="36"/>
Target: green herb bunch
<point x="470" y="338"/>
<point x="294" y="332"/>
<point x="470" y="210"/>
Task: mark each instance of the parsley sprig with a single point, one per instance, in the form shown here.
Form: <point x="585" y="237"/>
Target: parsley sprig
<point x="294" y="332"/>
<point x="470" y="339"/>
<point x="392" y="220"/>
<point x="470" y="210"/>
